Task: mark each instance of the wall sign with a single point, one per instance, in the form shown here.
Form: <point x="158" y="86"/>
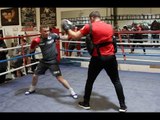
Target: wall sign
<point x="9" y="17"/>
<point x="48" y="16"/>
<point x="28" y="18"/>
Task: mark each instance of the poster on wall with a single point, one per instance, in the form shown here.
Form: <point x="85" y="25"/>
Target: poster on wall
<point x="9" y="17"/>
<point x="48" y="16"/>
<point x="28" y="18"/>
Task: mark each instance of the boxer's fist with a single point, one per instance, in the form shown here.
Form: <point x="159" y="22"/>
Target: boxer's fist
<point x="34" y="43"/>
<point x="66" y="25"/>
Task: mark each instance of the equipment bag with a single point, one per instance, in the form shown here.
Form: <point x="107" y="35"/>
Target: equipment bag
<point x="89" y="41"/>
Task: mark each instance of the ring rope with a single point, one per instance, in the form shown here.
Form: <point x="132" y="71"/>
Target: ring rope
<point x="13" y="58"/>
<point x="19" y="36"/>
<point x="146" y="44"/>
<point x="141" y="32"/>
<point x="15" y="69"/>
<point x="73" y="41"/>
<point x="88" y="58"/>
<point x="144" y="40"/>
<point x="135" y="54"/>
<point x="11" y="48"/>
<point x="74" y="50"/>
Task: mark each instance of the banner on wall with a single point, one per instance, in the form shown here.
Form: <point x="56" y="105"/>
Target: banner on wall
<point x="28" y="18"/>
<point x="9" y="17"/>
<point x="48" y="16"/>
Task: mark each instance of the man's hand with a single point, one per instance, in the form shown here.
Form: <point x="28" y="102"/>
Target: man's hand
<point x="66" y="25"/>
<point x="34" y="43"/>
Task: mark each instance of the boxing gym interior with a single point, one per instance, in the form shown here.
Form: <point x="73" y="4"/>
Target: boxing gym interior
<point x="138" y="60"/>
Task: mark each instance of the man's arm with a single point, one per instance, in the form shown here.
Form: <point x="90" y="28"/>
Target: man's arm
<point x="67" y="26"/>
<point x="75" y="35"/>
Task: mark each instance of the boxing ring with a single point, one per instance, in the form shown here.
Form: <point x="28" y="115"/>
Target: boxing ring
<point x="141" y="87"/>
<point x="148" y="62"/>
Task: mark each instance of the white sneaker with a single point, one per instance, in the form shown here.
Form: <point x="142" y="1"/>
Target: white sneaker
<point x="75" y="96"/>
<point x="84" y="105"/>
<point x="123" y="109"/>
<point x="29" y="71"/>
<point x="29" y="92"/>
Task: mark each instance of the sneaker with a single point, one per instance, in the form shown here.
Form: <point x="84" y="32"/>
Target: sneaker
<point x="75" y="96"/>
<point x="123" y="109"/>
<point x="30" y="72"/>
<point x="84" y="105"/>
<point x="29" y="92"/>
<point x="131" y="52"/>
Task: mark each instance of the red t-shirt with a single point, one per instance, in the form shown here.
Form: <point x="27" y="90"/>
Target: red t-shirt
<point x="101" y="32"/>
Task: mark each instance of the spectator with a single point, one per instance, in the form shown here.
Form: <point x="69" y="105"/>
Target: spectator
<point x="72" y="46"/>
<point x="3" y="56"/>
<point x="155" y="26"/>
<point x="18" y="62"/>
<point x="138" y="37"/>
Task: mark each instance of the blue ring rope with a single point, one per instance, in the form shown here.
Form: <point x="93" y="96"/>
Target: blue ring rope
<point x="13" y="58"/>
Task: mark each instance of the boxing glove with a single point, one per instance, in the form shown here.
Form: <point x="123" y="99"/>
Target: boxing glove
<point x="35" y="42"/>
<point x="66" y="25"/>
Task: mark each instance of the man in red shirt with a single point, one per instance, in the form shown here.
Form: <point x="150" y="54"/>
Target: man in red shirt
<point x="101" y="32"/>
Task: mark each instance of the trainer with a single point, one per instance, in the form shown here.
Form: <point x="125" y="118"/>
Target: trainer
<point x="101" y="33"/>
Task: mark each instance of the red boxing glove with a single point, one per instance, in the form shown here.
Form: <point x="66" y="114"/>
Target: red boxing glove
<point x="35" y="42"/>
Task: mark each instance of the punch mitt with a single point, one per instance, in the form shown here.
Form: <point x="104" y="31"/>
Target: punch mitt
<point x="66" y="25"/>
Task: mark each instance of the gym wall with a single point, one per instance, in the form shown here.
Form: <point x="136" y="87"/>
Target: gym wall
<point x="77" y="12"/>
